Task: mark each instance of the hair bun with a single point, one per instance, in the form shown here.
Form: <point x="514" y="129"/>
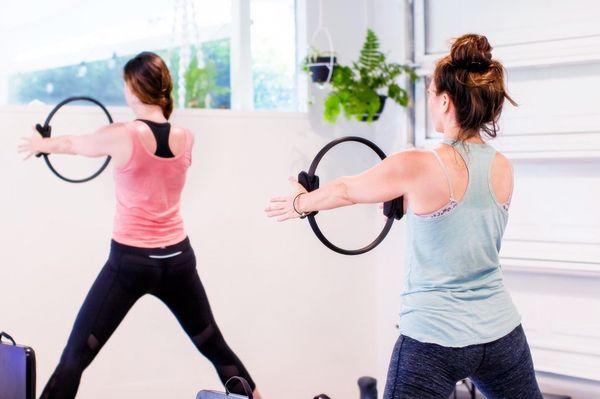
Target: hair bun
<point x="472" y="52"/>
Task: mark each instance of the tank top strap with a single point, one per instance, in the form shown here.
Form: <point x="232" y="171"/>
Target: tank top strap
<point x="136" y="143"/>
<point x="439" y="159"/>
<point x="189" y="145"/>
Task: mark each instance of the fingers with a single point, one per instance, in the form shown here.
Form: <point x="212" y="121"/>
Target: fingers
<point x="279" y="199"/>
<point x="276" y="213"/>
<point x="274" y="207"/>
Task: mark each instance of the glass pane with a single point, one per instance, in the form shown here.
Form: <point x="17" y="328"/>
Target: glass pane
<point x="64" y="48"/>
<point x="274" y="64"/>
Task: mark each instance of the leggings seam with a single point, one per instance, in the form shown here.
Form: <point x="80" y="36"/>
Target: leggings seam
<point x="397" y="367"/>
<point x="482" y="359"/>
<point x="112" y="283"/>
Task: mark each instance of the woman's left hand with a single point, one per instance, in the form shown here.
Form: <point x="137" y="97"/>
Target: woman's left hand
<point x="283" y="207"/>
<point x="31" y="145"/>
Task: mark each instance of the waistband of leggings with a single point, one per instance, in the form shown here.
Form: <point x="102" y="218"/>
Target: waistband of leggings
<point x="169" y="249"/>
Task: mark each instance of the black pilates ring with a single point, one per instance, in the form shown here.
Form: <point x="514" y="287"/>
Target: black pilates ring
<point x="393" y="209"/>
<point x="46" y="131"/>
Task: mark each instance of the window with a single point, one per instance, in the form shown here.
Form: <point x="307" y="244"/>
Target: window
<point x="64" y="48"/>
<point x="274" y="65"/>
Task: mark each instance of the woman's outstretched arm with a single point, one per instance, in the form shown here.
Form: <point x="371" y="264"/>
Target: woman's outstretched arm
<point x="108" y="140"/>
<point x="390" y="179"/>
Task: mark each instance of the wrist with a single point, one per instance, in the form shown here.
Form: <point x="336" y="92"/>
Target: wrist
<point x="41" y="146"/>
<point x="301" y="203"/>
<point x="296" y="205"/>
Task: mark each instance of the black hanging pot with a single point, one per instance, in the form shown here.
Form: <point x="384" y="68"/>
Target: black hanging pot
<point x="321" y="68"/>
<point x="382" y="99"/>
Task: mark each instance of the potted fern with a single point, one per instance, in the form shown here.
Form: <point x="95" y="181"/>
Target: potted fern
<point x="362" y="89"/>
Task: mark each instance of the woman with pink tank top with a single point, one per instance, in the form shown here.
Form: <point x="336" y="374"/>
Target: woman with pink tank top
<point x="150" y="252"/>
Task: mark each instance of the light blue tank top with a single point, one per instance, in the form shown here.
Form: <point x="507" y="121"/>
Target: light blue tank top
<point x="454" y="295"/>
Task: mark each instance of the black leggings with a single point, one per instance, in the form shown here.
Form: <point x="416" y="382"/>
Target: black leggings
<point x="168" y="273"/>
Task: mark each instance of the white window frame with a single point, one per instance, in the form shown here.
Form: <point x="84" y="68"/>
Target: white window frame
<point x="242" y="87"/>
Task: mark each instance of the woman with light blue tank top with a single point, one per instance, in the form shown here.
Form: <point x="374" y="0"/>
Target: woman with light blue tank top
<point x="457" y="319"/>
<point x="454" y="295"/>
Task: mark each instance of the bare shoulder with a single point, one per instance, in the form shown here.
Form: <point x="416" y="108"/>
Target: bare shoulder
<point x="411" y="154"/>
<point x="410" y="162"/>
<point x="115" y="132"/>
<point x="502" y="159"/>
<point x="501" y="178"/>
<point x="412" y="157"/>
<point x="502" y="162"/>
<point x="115" y="128"/>
<point x="181" y="131"/>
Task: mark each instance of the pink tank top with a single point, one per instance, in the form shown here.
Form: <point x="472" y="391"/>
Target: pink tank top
<point x="148" y="193"/>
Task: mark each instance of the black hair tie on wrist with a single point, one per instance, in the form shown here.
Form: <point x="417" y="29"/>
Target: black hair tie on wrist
<point x="46" y="131"/>
<point x="393" y="209"/>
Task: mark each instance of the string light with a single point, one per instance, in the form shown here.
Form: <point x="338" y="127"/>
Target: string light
<point x="184" y="39"/>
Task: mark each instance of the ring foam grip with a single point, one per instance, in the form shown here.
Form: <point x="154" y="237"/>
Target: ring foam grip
<point x="46" y="131"/>
<point x="310" y="183"/>
<point x="394" y="209"/>
<point x="17" y="370"/>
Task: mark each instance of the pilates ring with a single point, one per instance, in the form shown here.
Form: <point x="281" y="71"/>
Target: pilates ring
<point x="46" y="131"/>
<point x="393" y="209"/>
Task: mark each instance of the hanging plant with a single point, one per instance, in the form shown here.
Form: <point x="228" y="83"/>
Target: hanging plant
<point x="362" y="89"/>
<point x="319" y="65"/>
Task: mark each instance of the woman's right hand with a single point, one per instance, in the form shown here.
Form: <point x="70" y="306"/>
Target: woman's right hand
<point x="31" y="145"/>
<point x="283" y="207"/>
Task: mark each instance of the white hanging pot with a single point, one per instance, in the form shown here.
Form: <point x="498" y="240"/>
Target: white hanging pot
<point x="321" y="66"/>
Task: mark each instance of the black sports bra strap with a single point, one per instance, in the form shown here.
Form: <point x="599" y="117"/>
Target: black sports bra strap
<point x="161" y="133"/>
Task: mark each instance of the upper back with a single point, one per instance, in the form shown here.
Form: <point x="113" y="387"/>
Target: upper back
<point x="435" y="184"/>
<point x="178" y="136"/>
<point x="456" y="243"/>
<point x="157" y="176"/>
